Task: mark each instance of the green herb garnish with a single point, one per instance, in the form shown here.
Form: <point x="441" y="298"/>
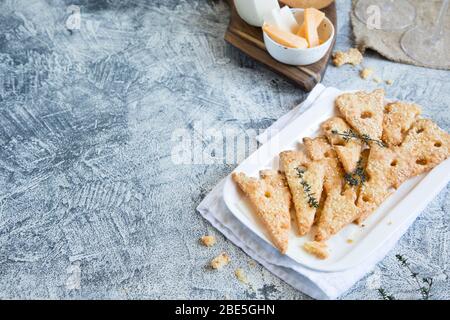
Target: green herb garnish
<point x="357" y="177"/>
<point x="350" y="134"/>
<point x="312" y="201"/>
<point x="425" y="287"/>
<point x="384" y="295"/>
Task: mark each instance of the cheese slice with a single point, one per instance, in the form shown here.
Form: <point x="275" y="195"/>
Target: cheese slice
<point x="284" y="38"/>
<point x="276" y="19"/>
<point x="308" y="30"/>
<point x="263" y="8"/>
<point x="289" y="20"/>
<point x="318" y="4"/>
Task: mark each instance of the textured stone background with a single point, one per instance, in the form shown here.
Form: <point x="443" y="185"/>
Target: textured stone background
<point x="87" y="185"/>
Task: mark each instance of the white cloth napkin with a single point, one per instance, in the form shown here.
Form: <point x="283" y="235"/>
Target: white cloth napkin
<point x="318" y="285"/>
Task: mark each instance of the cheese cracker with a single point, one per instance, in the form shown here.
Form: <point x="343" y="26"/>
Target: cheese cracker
<point x="398" y="119"/>
<point x="305" y="179"/>
<point x="271" y="199"/>
<point x="363" y="111"/>
<point x="348" y="151"/>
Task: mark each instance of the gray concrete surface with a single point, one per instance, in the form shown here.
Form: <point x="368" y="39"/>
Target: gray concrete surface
<point x="91" y="203"/>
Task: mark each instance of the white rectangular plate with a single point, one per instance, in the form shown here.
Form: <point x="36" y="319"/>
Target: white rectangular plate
<point x="353" y="244"/>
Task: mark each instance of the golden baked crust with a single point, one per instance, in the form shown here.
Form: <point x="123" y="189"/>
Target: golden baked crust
<point x="349" y="151"/>
<point x="318" y="148"/>
<point x="398" y="119"/>
<point x="271" y="199"/>
<point x="425" y="146"/>
<point x="334" y="175"/>
<point x="352" y="56"/>
<point x="363" y="111"/>
<point x="349" y="155"/>
<point x="385" y="172"/>
<point x="339" y="211"/>
<point x="319" y="249"/>
<point x="305" y="179"/>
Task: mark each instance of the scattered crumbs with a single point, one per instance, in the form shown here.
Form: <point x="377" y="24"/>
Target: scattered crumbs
<point x="349" y="241"/>
<point x="319" y="249"/>
<point x="366" y="73"/>
<point x="352" y="56"/>
<point x="240" y="275"/>
<point x="389" y="82"/>
<point x="377" y="79"/>
<point x="220" y="261"/>
<point x="208" y="241"/>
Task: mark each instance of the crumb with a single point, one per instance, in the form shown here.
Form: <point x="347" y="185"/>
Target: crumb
<point x="220" y="261"/>
<point x="349" y="241"/>
<point x="208" y="241"/>
<point x="377" y="79"/>
<point x="389" y="82"/>
<point x="389" y="223"/>
<point x="363" y="225"/>
<point x="240" y="275"/>
<point x="319" y="249"/>
<point x="366" y="73"/>
<point x="352" y="56"/>
<point x="226" y="297"/>
<point x="252" y="263"/>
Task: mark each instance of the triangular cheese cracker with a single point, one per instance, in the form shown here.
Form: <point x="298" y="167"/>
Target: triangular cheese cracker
<point x="363" y="111"/>
<point x="384" y="175"/>
<point x="398" y="118"/>
<point x="305" y="179"/>
<point x="271" y="199"/>
<point x="339" y="211"/>
<point x="349" y="155"/>
<point x="319" y="149"/>
<point x="424" y="147"/>
<point x="348" y="151"/>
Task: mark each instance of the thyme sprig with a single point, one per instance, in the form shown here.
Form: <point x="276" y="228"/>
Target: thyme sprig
<point x="350" y="134"/>
<point x="425" y="287"/>
<point x="384" y="295"/>
<point x="357" y="177"/>
<point x="312" y="201"/>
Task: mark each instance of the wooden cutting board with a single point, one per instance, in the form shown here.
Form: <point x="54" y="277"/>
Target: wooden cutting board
<point x="250" y="41"/>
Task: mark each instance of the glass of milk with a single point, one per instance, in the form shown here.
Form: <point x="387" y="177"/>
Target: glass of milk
<point x="253" y="11"/>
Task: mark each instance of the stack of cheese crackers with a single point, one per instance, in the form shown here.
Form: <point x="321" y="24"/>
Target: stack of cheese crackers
<point x="342" y="176"/>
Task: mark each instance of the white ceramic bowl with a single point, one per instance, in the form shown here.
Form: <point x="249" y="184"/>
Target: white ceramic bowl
<point x="302" y="57"/>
